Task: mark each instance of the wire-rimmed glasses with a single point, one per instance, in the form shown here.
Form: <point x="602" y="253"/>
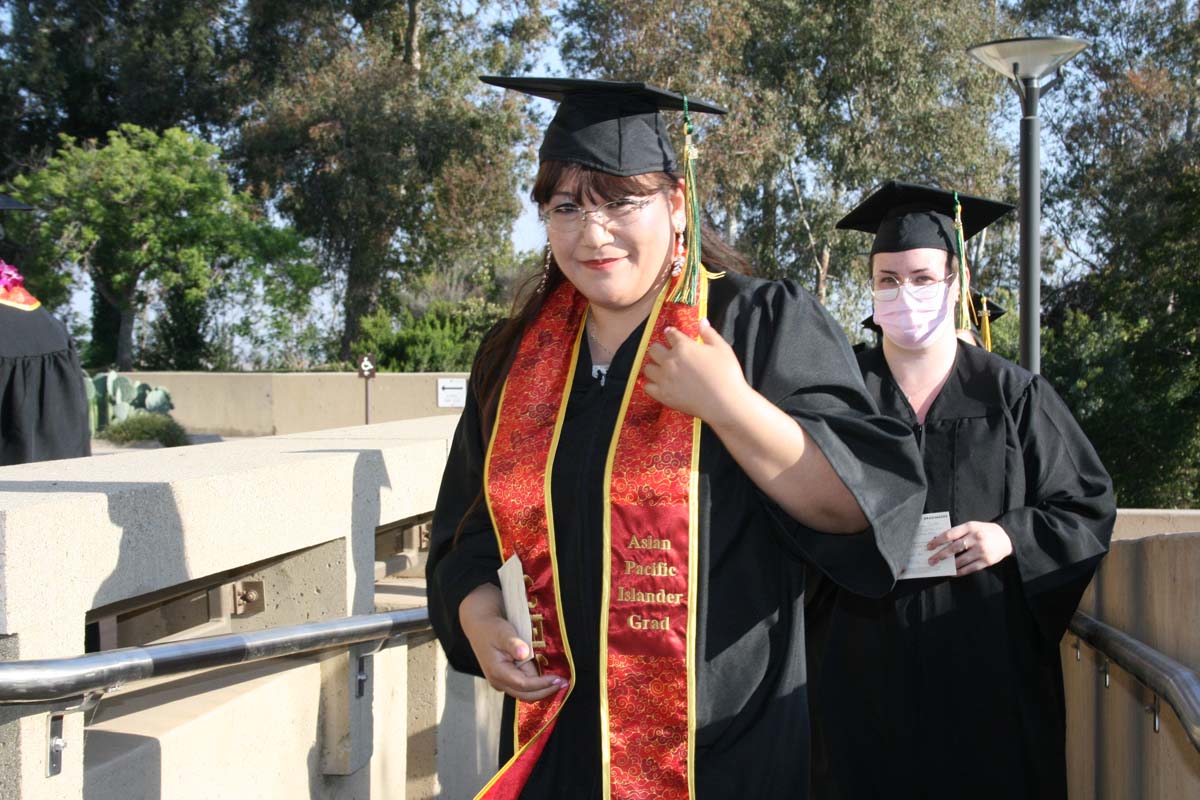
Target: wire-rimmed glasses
<point x="921" y="287"/>
<point x="570" y="218"/>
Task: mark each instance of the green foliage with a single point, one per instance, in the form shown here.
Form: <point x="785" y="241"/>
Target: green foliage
<point x="113" y="398"/>
<point x="443" y="338"/>
<point x="84" y="68"/>
<point x="147" y="427"/>
<point x="383" y="148"/>
<point x="1123" y="199"/>
<point x="1124" y="348"/>
<point x="145" y="215"/>
<point x="829" y="99"/>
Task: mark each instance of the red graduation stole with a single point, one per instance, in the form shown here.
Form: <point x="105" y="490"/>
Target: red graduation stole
<point x="18" y="297"/>
<point x="12" y="289"/>
<point x="648" y="619"/>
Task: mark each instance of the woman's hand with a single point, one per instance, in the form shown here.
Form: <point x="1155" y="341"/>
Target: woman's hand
<point x="499" y="650"/>
<point x="974" y="546"/>
<point x="701" y="378"/>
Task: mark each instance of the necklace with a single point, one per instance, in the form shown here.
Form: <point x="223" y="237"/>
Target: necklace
<point x="592" y="338"/>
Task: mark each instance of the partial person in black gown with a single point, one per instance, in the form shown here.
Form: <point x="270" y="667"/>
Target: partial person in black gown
<point x="951" y="687"/>
<point x="796" y="470"/>
<point x="43" y="405"/>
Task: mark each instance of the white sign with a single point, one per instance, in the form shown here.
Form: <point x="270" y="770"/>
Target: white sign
<point x="366" y="367"/>
<point x="452" y="392"/>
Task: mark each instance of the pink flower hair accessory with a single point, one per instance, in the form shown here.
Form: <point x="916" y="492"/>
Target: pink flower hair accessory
<point x="10" y="278"/>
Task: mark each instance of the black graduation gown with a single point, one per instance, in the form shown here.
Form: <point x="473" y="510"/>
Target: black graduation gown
<point x="952" y="687"/>
<point x="43" y="407"/>
<point x="752" y="732"/>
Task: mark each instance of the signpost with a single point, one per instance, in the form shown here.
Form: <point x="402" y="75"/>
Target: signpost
<point x="366" y="371"/>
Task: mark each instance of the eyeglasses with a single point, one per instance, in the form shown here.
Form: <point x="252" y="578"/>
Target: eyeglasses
<point x="570" y="218"/>
<point x="922" y="287"/>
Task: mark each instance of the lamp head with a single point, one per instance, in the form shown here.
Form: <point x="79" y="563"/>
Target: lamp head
<point x="1028" y="57"/>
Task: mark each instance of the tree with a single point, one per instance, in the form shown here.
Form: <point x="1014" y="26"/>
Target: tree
<point x="828" y="100"/>
<point x="84" y="68"/>
<point x="388" y="153"/>
<point x="144" y="216"/>
<point x="1123" y="202"/>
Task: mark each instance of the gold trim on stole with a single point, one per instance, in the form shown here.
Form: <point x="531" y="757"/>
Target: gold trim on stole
<point x="606" y="581"/>
<point x="518" y="747"/>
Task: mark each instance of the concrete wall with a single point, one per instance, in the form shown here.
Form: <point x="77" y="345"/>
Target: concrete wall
<point x="266" y="404"/>
<point x="1134" y="523"/>
<point x="1148" y="587"/>
<point x="87" y="534"/>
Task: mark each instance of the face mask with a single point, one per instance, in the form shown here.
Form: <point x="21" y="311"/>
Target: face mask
<point x="912" y="323"/>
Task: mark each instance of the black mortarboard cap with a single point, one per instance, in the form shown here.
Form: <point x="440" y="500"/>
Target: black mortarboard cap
<point x="611" y="126"/>
<point x="12" y="204"/>
<point x="908" y="216"/>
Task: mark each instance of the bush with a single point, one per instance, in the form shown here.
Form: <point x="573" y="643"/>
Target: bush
<point x="146" y="427"/>
<point x="443" y="338"/>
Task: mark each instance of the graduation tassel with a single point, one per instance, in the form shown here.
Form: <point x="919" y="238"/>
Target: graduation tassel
<point x="687" y="290"/>
<point x="985" y="324"/>
<point x="965" y="309"/>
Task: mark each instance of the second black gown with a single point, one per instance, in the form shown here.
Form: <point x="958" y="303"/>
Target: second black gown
<point x="952" y="687"/>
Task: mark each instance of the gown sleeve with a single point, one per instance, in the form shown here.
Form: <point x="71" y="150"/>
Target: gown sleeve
<point x="1063" y="529"/>
<point x="460" y="561"/>
<point x="799" y="359"/>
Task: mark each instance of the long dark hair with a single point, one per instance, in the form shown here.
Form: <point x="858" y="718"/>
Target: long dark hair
<point x="496" y="354"/>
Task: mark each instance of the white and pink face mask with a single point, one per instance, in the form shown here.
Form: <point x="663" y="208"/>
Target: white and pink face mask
<point x="913" y="323"/>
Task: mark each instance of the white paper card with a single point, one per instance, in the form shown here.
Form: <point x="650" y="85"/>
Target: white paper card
<point x="451" y="392"/>
<point x="918" y="557"/>
<point x="516" y="603"/>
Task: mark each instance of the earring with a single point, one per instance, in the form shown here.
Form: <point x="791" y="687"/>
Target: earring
<point x="545" y="270"/>
<point x="680" y="255"/>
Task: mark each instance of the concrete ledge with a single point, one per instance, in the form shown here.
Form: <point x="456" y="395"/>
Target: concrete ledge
<point x="81" y="534"/>
<point x="1134" y="523"/>
<point x="266" y="403"/>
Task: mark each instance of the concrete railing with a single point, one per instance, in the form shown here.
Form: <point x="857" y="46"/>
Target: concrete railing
<point x="1148" y="588"/>
<point x="163" y="545"/>
<point x="267" y="404"/>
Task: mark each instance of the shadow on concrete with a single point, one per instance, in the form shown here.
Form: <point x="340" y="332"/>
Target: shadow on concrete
<point x="143" y="782"/>
<point x="150" y="555"/>
<point x="370" y="478"/>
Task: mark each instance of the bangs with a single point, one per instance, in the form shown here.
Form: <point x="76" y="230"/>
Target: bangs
<point x="593" y="185"/>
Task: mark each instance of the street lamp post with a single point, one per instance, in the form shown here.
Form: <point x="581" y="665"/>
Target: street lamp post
<point x="1024" y="62"/>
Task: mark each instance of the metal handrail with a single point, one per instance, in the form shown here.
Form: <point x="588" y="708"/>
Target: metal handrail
<point x="59" y="678"/>
<point x="1163" y="675"/>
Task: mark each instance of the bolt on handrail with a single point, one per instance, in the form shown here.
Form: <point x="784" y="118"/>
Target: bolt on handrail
<point x="1163" y="675"/>
<point x="44" y="680"/>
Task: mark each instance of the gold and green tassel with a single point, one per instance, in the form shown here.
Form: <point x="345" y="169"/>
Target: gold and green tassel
<point x="965" y="310"/>
<point x="687" y="292"/>
<point x="985" y="324"/>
